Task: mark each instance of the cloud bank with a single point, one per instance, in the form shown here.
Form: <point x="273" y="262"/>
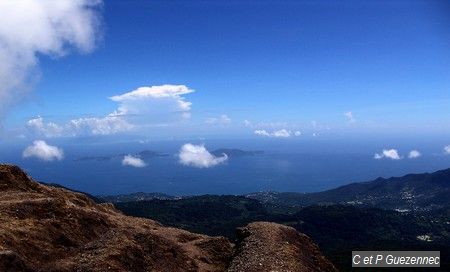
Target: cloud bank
<point x="41" y="150"/>
<point x="388" y="154"/>
<point x="198" y="156"/>
<point x="108" y="125"/>
<point x="136" y="109"/>
<point x="282" y="133"/>
<point x="40" y="27"/>
<point x="221" y="120"/>
<point x="272" y="125"/>
<point x="130" y="160"/>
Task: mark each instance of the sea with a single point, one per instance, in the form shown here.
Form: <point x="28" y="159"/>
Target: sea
<point x="301" y="166"/>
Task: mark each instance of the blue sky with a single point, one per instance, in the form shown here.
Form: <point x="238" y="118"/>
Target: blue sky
<point x="293" y="65"/>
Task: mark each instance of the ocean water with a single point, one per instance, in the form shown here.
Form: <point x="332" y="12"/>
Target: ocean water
<point x="301" y="167"/>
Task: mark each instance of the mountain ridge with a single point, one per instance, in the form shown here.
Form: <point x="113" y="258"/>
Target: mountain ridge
<point x="411" y="192"/>
<point x="48" y="228"/>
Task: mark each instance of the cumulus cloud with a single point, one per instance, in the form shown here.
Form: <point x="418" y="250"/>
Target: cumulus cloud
<point x="130" y="160"/>
<point x="262" y="132"/>
<point x="414" y="154"/>
<point x="389" y="154"/>
<point x="282" y="133"/>
<point x="447" y="149"/>
<point x="37" y="126"/>
<point x="139" y="108"/>
<point x="198" y="156"/>
<point x="160" y="103"/>
<point x="349" y="116"/>
<point x="30" y="28"/>
<point x="41" y="150"/>
<point x="221" y="120"/>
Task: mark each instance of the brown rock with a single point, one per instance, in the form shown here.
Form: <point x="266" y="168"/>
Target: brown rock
<point x="264" y="246"/>
<point x="44" y="228"/>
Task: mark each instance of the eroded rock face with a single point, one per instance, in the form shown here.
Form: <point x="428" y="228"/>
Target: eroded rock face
<point x="52" y="229"/>
<point x="44" y="228"/>
<point x="268" y="247"/>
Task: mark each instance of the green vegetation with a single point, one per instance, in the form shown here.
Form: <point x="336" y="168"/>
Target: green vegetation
<point x="414" y="192"/>
<point x="405" y="213"/>
<point x="338" y="229"/>
<point x="212" y="215"/>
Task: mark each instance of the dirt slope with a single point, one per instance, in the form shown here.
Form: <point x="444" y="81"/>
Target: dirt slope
<point x="274" y="247"/>
<point x="44" y="228"/>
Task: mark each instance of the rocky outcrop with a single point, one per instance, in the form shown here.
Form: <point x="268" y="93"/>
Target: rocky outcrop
<point x="264" y="246"/>
<point x="46" y="228"/>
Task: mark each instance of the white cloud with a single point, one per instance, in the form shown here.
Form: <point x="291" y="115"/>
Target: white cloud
<point x="156" y="105"/>
<point x="130" y="160"/>
<point x="108" y="125"/>
<point x="447" y="149"/>
<point x="414" y="154"/>
<point x="198" y="156"/>
<point x="389" y="154"/>
<point x="41" y="150"/>
<point x="282" y="133"/>
<point x="298" y="133"/>
<point x="350" y="117"/>
<point x="38" y="127"/>
<point x="262" y="132"/>
<point x="30" y="28"/>
<point x="221" y="120"/>
<point x="98" y="126"/>
<point x="378" y="156"/>
<point x="265" y="125"/>
<point x="155" y="102"/>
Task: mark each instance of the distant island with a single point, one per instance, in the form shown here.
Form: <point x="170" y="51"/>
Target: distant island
<point x="233" y="152"/>
<point x="146" y="154"/>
